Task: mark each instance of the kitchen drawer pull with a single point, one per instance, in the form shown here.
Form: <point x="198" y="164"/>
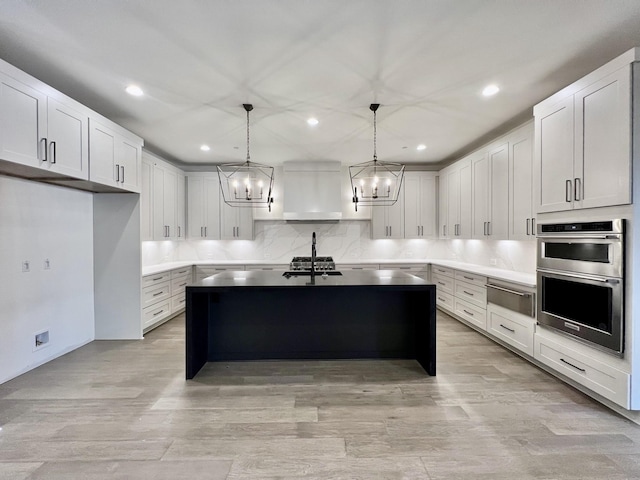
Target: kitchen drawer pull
<point x="468" y="278"/>
<point x="183" y="284"/>
<point x="467" y="312"/>
<point x="159" y="293"/>
<point x="572" y="365"/>
<point x="442" y="283"/>
<point x="468" y="293"/>
<point x="508" y="290"/>
<point x="507" y="328"/>
<point x="157" y="278"/>
<point x="158" y="313"/>
<point x="441" y="299"/>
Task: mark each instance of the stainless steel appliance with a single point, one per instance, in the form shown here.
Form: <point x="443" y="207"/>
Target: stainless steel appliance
<point x="304" y="263"/>
<point x="516" y="300"/>
<point x="580" y="281"/>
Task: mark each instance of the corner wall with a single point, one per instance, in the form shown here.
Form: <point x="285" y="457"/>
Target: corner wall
<point x="41" y="222"/>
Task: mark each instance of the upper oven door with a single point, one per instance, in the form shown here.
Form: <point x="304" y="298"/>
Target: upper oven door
<point x="590" y="254"/>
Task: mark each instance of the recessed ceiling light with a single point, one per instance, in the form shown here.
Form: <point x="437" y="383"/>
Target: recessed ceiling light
<point x="205" y="148"/>
<point x="422" y="146"/>
<point x="134" y="90"/>
<point x="312" y="121"/>
<point x="490" y="90"/>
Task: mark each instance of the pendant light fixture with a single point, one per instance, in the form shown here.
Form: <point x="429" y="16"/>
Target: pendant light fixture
<point x="376" y="183"/>
<point x="246" y="184"/>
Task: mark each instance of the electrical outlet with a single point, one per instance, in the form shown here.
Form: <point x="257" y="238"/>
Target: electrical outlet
<point x="26" y="266"/>
<point x="41" y="340"/>
<point x="47" y="264"/>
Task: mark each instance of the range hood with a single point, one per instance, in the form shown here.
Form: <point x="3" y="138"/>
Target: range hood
<point x="312" y="190"/>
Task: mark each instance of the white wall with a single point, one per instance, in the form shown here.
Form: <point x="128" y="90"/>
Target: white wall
<point x="346" y="241"/>
<point x="39" y="222"/>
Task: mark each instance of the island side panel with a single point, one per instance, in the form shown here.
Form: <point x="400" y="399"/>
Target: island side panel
<point x="320" y="322"/>
<point x="197" y="315"/>
<point x="426" y="330"/>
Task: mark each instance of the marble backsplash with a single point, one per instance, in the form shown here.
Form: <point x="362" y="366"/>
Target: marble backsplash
<point x="346" y="241"/>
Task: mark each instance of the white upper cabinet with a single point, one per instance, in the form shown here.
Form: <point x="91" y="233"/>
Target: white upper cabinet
<point x="583" y="141"/>
<point x="387" y="221"/>
<point x="455" y="200"/>
<point x="236" y="223"/>
<point x="146" y="199"/>
<point x="115" y="160"/>
<point x="67" y="149"/>
<point x="203" y="206"/>
<point x="491" y="193"/>
<point x="420" y="205"/>
<point x="23" y="123"/>
<point x="521" y="215"/>
<point x="181" y="210"/>
<point x="45" y="135"/>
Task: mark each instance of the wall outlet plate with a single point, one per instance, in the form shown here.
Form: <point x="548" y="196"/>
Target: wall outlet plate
<point x="26" y="267"/>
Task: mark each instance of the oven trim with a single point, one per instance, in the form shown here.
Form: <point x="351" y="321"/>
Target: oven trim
<point x="611" y="343"/>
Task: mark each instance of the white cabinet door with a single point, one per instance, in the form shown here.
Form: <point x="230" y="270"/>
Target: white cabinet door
<point x="103" y="166"/>
<point x="212" y="207"/>
<point x="387" y="221"/>
<point x="453" y="200"/>
<point x="203" y="207"/>
<point x="164" y="203"/>
<point x="554" y="157"/>
<point x="68" y="135"/>
<point x="23" y="123"/>
<point x="443" y="202"/>
<point x="466" y="200"/>
<point x="521" y="218"/>
<point x="481" y="186"/>
<point x="236" y="223"/>
<point x="180" y="206"/>
<point x="419" y="205"/>
<point x="146" y="201"/>
<point x="113" y="159"/>
<point x="602" y="173"/>
<point x="498" y="227"/>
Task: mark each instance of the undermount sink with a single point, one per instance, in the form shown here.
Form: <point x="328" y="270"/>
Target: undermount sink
<point x="297" y="273"/>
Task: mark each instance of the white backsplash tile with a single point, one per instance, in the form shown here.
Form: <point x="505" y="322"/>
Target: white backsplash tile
<point x="346" y="241"/>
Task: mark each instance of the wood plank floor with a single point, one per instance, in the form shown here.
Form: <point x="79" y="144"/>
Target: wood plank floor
<point x="122" y="410"/>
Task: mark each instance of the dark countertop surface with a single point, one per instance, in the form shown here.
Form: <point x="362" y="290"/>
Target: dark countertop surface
<point x="259" y="278"/>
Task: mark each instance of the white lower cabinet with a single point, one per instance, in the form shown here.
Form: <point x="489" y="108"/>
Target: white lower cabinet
<point x="204" y="271"/>
<point x="511" y="327"/>
<point x="420" y="271"/>
<point x="470" y="312"/>
<point x="163" y="296"/>
<point x="462" y="294"/>
<point x="596" y="375"/>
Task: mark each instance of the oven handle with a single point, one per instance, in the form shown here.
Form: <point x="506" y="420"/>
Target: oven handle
<point x="576" y="275"/>
<point x="508" y="290"/>
<point x="581" y="237"/>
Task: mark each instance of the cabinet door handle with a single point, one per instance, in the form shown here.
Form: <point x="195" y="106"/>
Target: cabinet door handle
<point x="444" y="230"/>
<point x="202" y="231"/>
<point x="205" y="231"/>
<point x="117" y="173"/>
<point x="122" y="167"/>
<point x="508" y="329"/>
<point x="178" y="231"/>
<point x="52" y="146"/>
<point x="533" y="226"/>
<point x="527" y="226"/>
<point x="572" y="365"/>
<point x="577" y="185"/>
<point x="484" y="228"/>
<point x="390" y="234"/>
<point x="567" y="191"/>
<point x="168" y="230"/>
<point x="45" y="150"/>
<point x="488" y="228"/>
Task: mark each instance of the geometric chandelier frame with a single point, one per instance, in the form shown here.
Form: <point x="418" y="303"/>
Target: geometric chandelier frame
<point x="247" y="184"/>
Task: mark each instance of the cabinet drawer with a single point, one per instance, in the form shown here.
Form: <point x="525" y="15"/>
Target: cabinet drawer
<point x="156" y="279"/>
<point x="471" y="313"/>
<point x="443" y="284"/>
<point x="178" y="285"/>
<point x="511" y="327"/>
<point x="155" y="293"/>
<point x="446" y="271"/>
<point x="204" y="272"/>
<point x="471" y="292"/>
<point x="178" y="303"/>
<point x="444" y="300"/>
<point x="181" y="272"/>
<point x="155" y="313"/>
<point x="603" y="379"/>
<point x="467" y="277"/>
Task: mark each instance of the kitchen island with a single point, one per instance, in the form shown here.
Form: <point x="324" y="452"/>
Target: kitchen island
<point x="263" y="315"/>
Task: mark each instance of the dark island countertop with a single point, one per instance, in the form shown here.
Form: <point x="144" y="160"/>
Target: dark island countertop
<point x="258" y="278"/>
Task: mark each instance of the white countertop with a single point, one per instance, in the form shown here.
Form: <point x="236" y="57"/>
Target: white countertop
<point x="526" y="279"/>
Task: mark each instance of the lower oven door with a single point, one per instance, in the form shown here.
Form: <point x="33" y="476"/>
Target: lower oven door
<point x="587" y="307"/>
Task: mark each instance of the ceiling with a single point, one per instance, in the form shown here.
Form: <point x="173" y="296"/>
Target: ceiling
<point x="425" y="61"/>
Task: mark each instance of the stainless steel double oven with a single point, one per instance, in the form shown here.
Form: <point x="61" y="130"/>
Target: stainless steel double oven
<point x="580" y="281"/>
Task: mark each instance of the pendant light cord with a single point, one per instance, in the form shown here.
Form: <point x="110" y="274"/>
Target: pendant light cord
<point x="248" y="157"/>
<point x="375" y="155"/>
